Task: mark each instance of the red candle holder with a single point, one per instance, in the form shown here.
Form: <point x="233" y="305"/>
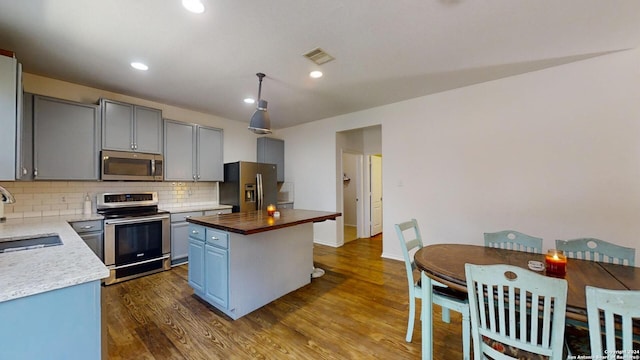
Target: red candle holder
<point x="271" y="209"/>
<point x="556" y="263"/>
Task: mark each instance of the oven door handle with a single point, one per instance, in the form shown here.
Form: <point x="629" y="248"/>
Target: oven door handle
<point x="134" y="220"/>
<point x="141" y="262"/>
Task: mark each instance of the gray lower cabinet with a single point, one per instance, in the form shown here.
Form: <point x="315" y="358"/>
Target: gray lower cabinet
<point x="288" y="205"/>
<point x="271" y="151"/>
<point x="91" y="231"/>
<point x="180" y="233"/>
<point x="209" y="264"/>
<point x="66" y="140"/>
<point x="192" y="152"/>
<point x="129" y="127"/>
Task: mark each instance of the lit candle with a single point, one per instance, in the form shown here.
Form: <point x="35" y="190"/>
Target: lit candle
<point x="271" y="209"/>
<point x="556" y="263"/>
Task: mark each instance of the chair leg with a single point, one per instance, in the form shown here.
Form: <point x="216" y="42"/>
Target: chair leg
<point x="412" y="317"/>
<point x="466" y="337"/>
<point x="446" y="315"/>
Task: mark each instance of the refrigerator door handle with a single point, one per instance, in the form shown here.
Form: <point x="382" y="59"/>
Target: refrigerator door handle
<point x="260" y="193"/>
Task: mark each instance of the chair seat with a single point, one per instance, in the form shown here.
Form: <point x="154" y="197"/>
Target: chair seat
<point x="511" y="351"/>
<point x="577" y="340"/>
<point x="452" y="293"/>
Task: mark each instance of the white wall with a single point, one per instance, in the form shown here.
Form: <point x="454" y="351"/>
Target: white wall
<point x="349" y="166"/>
<point x="553" y="153"/>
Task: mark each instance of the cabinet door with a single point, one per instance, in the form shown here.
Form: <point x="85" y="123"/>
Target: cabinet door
<point x="147" y="130"/>
<point x="196" y="264"/>
<point x="24" y="155"/>
<point x="216" y="275"/>
<point x="66" y="140"/>
<point x="210" y="157"/>
<point x="94" y="242"/>
<point x="271" y="151"/>
<point x="8" y="116"/>
<point x="179" y="242"/>
<point x="179" y="157"/>
<point x="117" y="125"/>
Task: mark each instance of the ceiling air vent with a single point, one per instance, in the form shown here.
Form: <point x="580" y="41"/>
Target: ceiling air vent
<point x="318" y="56"/>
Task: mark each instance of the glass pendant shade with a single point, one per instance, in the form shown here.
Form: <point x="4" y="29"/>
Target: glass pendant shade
<point x="260" y="122"/>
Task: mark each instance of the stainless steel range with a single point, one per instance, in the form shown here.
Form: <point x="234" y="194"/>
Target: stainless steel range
<point x="136" y="235"/>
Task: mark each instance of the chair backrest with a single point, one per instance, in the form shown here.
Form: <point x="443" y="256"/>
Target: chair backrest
<point x="619" y="306"/>
<point x="501" y="319"/>
<point x="513" y="240"/>
<point x="410" y="241"/>
<point x="597" y="250"/>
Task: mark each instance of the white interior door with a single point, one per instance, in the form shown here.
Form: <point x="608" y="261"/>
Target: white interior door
<point x="376" y="194"/>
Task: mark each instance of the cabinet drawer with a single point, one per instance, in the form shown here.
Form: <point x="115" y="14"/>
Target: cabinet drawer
<point x="217" y="238"/>
<point x="197" y="232"/>
<point x="182" y="217"/>
<point x="217" y="212"/>
<point x="87" y="226"/>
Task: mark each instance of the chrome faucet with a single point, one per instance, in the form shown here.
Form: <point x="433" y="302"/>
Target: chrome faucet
<point x="8" y="198"/>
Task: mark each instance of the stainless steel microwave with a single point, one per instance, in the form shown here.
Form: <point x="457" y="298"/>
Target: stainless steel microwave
<point x="125" y="165"/>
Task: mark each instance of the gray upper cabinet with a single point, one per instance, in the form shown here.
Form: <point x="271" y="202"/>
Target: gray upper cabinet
<point x="10" y="90"/>
<point x="128" y="127"/>
<point x="24" y="148"/>
<point x="209" y="157"/>
<point x="192" y="152"/>
<point x="66" y="140"/>
<point x="271" y="151"/>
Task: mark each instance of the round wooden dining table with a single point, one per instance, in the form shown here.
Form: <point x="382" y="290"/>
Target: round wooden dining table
<point x="445" y="263"/>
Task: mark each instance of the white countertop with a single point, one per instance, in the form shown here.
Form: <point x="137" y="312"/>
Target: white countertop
<point x="29" y="272"/>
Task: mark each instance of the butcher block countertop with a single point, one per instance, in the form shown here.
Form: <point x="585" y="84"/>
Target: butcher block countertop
<point x="253" y="222"/>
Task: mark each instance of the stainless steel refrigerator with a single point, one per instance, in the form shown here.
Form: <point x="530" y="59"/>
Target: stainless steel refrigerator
<point x="249" y="186"/>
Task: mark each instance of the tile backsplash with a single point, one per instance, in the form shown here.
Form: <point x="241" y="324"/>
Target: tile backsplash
<point x="52" y="198"/>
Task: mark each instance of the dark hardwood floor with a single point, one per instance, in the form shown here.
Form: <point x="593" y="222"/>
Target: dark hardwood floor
<point x="357" y="310"/>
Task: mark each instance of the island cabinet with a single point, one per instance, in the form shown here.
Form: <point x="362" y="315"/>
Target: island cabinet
<point x="66" y="140"/>
<point x="129" y="127"/>
<point x="192" y="152"/>
<point x="240" y="262"/>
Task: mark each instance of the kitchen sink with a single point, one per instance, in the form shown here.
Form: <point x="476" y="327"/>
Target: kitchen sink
<point x="28" y="243"/>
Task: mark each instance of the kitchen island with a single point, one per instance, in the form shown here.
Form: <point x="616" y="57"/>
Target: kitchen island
<point x="240" y="262"/>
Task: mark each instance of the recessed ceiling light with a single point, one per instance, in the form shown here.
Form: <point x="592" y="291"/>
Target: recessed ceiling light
<point x="249" y="101"/>
<point x="195" y="6"/>
<point x="139" y="66"/>
<point x="316" y="74"/>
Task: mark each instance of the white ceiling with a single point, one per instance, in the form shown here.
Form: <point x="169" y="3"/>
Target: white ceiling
<point x="386" y="50"/>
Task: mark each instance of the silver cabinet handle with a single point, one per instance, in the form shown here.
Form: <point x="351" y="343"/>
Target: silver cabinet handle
<point x="214" y="238"/>
<point x="35" y="172"/>
<point x="24" y="171"/>
<point x="195" y="232"/>
<point x="86" y="227"/>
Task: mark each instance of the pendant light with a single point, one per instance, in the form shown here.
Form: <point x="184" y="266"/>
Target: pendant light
<point x="260" y="122"/>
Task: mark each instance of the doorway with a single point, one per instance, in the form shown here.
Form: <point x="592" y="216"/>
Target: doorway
<point x="357" y="150"/>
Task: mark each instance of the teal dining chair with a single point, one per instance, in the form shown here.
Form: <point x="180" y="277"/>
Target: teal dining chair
<point x="597" y="250"/>
<point x="410" y="241"/>
<point x="513" y="240"/>
<point x="504" y="323"/>
<point x="611" y="307"/>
